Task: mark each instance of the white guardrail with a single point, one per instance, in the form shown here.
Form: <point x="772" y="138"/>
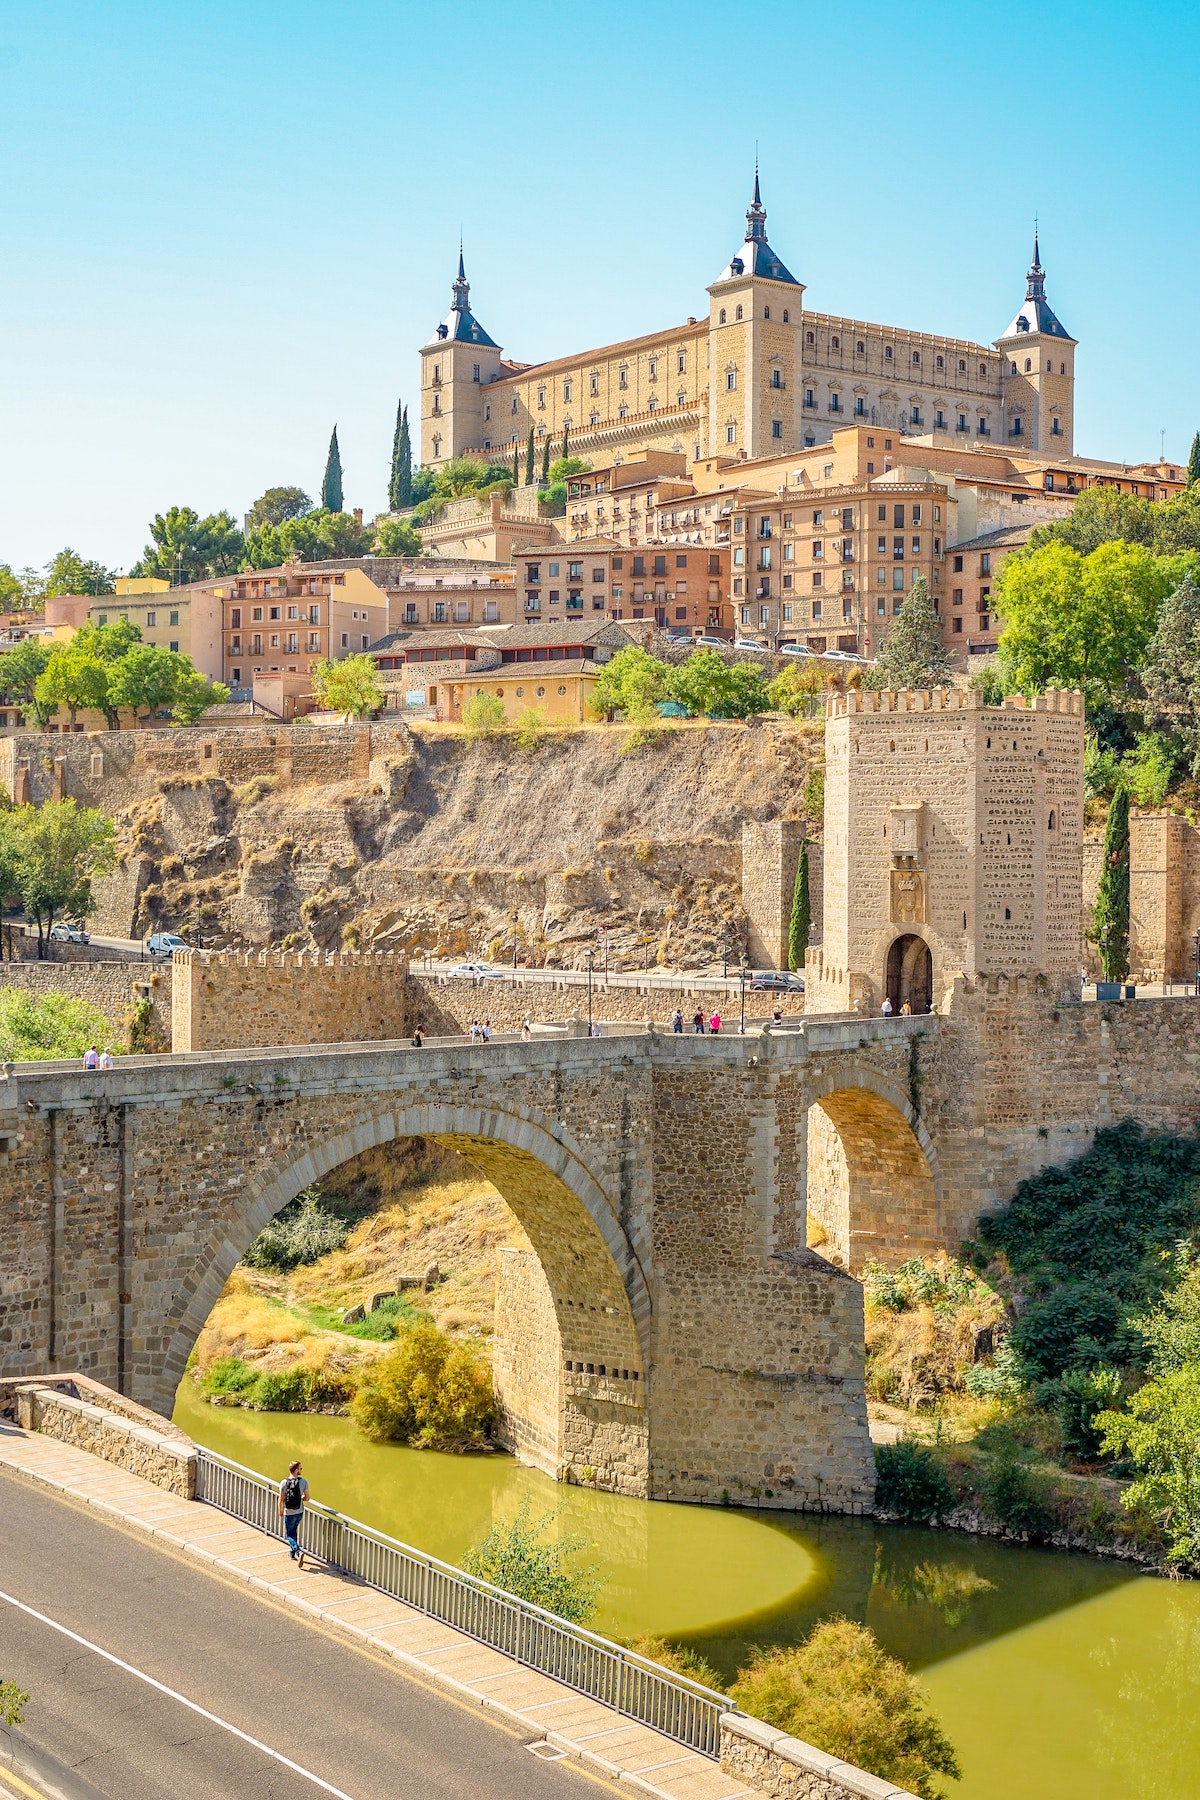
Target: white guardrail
<point x="605" y="1671"/>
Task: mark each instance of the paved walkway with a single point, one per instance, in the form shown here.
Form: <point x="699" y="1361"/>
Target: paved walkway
<point x="541" y="1707"/>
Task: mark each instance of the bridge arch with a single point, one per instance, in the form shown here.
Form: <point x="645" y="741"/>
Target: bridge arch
<point x="873" y="1176"/>
<point x="573" y="1320"/>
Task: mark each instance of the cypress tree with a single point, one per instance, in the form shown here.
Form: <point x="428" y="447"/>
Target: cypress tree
<point x="516" y="465"/>
<point x="1110" y="919"/>
<point x="529" y="460"/>
<point x="915" y="654"/>
<point x="564" y="448"/>
<point x="546" y="463"/>
<point x="400" y="485"/>
<point x="331" y="487"/>
<point x="1193" y="472"/>
<point x="801" y="920"/>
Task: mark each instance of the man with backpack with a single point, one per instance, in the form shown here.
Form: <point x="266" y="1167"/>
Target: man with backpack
<point x="293" y="1492"/>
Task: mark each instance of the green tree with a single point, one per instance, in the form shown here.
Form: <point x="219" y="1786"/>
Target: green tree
<point x="194" y="694"/>
<point x="1170" y="670"/>
<point x="400" y="473"/>
<point x="277" y="505"/>
<point x="483" y="715"/>
<point x="331" y="485"/>
<point x="396" y="537"/>
<point x="546" y="461"/>
<point x="187" y="547"/>
<point x="1193" y="468"/>
<point x="1101" y="515"/>
<point x="69" y="573"/>
<point x="529" y="460"/>
<point x="429" y="1391"/>
<point x="520" y="1557"/>
<point x="801" y="919"/>
<point x="707" y="684"/>
<point x="1079" y="621"/>
<point x="914" y="654"/>
<point x="1170" y="1330"/>
<point x="59" y="850"/>
<point x="73" y="678"/>
<point x="1110" y="916"/>
<point x="516" y="468"/>
<point x="46" y="1027"/>
<point x="1160" y="1434"/>
<point x="563" y="467"/>
<point x="12" y="594"/>
<point x="108" y="644"/>
<point x="424" y="484"/>
<point x="146" y="679"/>
<point x="313" y="537"/>
<point x="352" y="687"/>
<point x="840" y="1691"/>
<point x="565" y="452"/>
<point x="20" y="670"/>
<point x="798" y="687"/>
<point x="632" y="683"/>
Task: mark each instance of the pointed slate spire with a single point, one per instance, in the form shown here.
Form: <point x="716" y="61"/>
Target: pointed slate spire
<point x="756" y="216"/>
<point x="1036" y="313"/>
<point x="461" y="286"/>
<point x="1036" y="280"/>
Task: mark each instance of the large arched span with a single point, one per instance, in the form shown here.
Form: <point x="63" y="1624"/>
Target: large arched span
<point x="872" y="1172"/>
<point x="572" y="1322"/>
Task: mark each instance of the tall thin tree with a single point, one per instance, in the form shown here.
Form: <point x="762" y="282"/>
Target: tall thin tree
<point x="331" y="487"/>
<point x="801" y="920"/>
<point x="546" y="463"/>
<point x="516" y="464"/>
<point x="1110" y="918"/>
<point x="400" y="480"/>
<point x="1193" y="469"/>
<point x="564" y="448"/>
<point x="529" y="460"/>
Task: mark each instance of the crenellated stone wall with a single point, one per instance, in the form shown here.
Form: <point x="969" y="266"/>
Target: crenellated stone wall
<point x="232" y="1000"/>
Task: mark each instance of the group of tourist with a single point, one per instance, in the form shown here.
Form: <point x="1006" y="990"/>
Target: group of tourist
<point x="98" y="1059"/>
<point x="700" y="1025"/>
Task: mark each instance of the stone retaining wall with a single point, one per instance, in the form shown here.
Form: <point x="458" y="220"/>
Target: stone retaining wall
<point x="111" y="987"/>
<point x="162" y="1457"/>
<point x="245" y="1000"/>
<point x="445" y="1005"/>
<point x="771" y="1762"/>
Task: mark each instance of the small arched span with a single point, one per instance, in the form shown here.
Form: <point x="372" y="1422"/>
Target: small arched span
<point x="871" y="1176"/>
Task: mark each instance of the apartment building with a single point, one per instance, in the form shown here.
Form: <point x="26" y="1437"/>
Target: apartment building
<point x="186" y="619"/>
<point x="285" y="620"/>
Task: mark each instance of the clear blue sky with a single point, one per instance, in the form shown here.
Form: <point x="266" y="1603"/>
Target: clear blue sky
<point x="228" y="224"/>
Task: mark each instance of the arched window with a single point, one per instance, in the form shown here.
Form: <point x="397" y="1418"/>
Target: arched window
<point x="766" y="312"/>
<point x="835" y="343"/>
<point x="939" y="362"/>
<point x="1049" y="367"/>
<point x="887" y="355"/>
<point x="738" y="313"/>
<point x="721" y="316"/>
<point x="916" y="356"/>
<point x="860" y="348"/>
<point x="809" y="338"/>
<point x="1052" y="822"/>
<point x="1062" y="368"/>
<point x="1028" y="364"/>
<point x="983" y="370"/>
<point x="962" y="365"/>
<point x="785" y="315"/>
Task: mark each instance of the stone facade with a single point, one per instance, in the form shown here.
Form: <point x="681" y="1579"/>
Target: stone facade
<point x="770" y="854"/>
<point x="236" y="1000"/>
<point x="953" y="845"/>
<point x="113" y="988"/>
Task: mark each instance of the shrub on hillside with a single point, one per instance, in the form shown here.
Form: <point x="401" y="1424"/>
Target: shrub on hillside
<point x="227" y="1377"/>
<point x="38" y="1028"/>
<point x="306" y="1228"/>
<point x="429" y="1391"/>
<point x="1013" y="1493"/>
<point x="909" y="1481"/>
<point x="516" y="1555"/>
<point x="1079" y="1398"/>
<point x="840" y="1691"/>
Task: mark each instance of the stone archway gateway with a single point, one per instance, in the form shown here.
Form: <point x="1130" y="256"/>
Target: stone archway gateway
<point x="871" y="1175"/>
<point x="909" y="978"/>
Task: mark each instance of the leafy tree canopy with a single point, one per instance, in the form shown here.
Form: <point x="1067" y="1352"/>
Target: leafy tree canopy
<point x="1103" y="515"/>
<point x="20" y="669"/>
<point x="352" y="687"/>
<point x="12" y="592"/>
<point x="277" y="505"/>
<point x="396" y="537"/>
<point x="70" y="573"/>
<point x="563" y="467"/>
<point x="707" y="684"/>
<point x="632" y="683"/>
<point x="58" y="849"/>
<point x="187" y="547"/>
<point x="313" y="537"/>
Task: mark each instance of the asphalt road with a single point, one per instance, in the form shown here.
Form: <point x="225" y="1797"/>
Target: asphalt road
<point x="349" y="1724"/>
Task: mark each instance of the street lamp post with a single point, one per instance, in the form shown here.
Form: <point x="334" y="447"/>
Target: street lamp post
<point x="591" y="963"/>
<point x="742" y="973"/>
<point x="1196" y="941"/>
<point x="515" y="920"/>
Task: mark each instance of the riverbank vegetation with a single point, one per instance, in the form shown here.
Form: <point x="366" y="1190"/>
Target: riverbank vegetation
<point x="43" y="1027"/>
<point x="1055" y="1359"/>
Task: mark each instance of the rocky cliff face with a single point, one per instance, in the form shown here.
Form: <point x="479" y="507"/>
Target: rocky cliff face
<point x="460" y="848"/>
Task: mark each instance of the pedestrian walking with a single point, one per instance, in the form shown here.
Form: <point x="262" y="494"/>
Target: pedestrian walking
<point x="487" y="1031"/>
<point x="476" y="1031"/>
<point x="698" y="1022"/>
<point x="91" y="1057"/>
<point x="677" y="1021"/>
<point x="714" y="1024"/>
<point x="106" y="1058"/>
<point x="886" y="1008"/>
<point x="418" y="1037"/>
<point x="293" y="1492"/>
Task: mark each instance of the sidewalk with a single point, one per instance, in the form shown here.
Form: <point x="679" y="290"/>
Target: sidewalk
<point x="540" y="1707"/>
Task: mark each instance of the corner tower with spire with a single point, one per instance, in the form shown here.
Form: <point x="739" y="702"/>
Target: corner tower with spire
<point x="1038" y="372"/>
<point x="756" y="307"/>
<point x="458" y="363"/>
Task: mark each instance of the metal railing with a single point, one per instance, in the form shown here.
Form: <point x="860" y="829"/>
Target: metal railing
<point x="607" y="1672"/>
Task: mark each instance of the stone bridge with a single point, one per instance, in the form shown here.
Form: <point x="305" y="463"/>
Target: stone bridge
<point x="670" y="1334"/>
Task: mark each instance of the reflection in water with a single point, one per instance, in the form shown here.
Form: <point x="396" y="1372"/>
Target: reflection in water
<point x="1053" y="1674"/>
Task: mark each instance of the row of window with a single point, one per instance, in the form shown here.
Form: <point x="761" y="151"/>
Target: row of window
<point x="939" y="361"/>
<point x="290" y="642"/>
<point x="151" y="618"/>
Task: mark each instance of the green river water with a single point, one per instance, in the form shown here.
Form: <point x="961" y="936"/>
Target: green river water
<point x="1055" y="1675"/>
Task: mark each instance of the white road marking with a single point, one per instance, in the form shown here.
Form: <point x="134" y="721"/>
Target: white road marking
<point x="192" y="1705"/>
